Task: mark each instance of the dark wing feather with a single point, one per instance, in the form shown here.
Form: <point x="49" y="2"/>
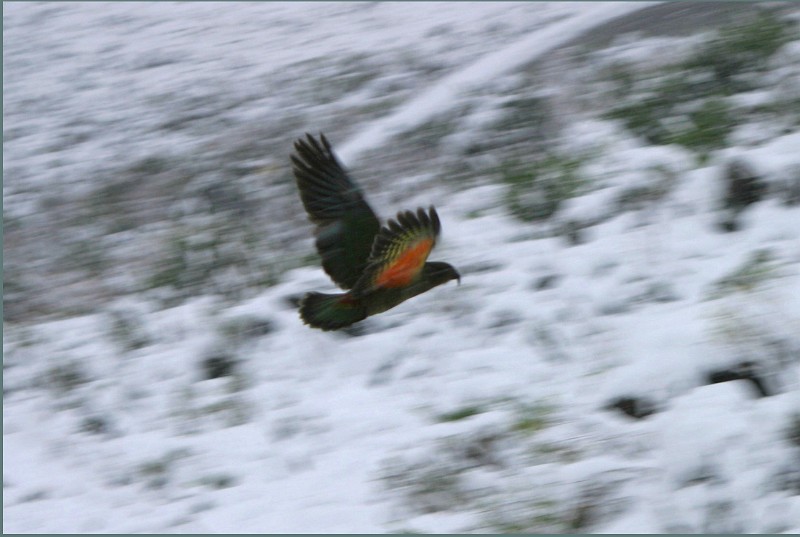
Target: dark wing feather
<point x="400" y="250"/>
<point x="345" y="224"/>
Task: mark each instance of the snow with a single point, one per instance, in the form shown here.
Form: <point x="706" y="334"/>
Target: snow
<point x="130" y="68"/>
<point x="488" y="67"/>
<point x="332" y="433"/>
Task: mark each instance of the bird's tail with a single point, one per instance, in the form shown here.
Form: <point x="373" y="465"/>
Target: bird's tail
<point x="330" y="312"/>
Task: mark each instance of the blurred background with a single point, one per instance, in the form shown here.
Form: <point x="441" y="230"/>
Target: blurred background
<point x="619" y="185"/>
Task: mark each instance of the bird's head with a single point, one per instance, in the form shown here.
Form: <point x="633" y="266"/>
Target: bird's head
<point x="438" y="273"/>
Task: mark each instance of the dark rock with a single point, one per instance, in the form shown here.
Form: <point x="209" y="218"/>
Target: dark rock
<point x="660" y="292"/>
<point x="742" y="371"/>
<point x="793" y="430"/>
<point x="383" y="373"/>
<point x="244" y="328"/>
<point x="635" y="407"/>
<point x="786" y="186"/>
<point x="574" y="233"/>
<point x="218" y="366"/>
<point x="791" y="190"/>
<point x="546" y="282"/>
<point x="504" y="319"/>
<point x="729" y="225"/>
<point x="638" y="197"/>
<point x="95" y="425"/>
<point x="294" y="300"/>
<point x="615" y="306"/>
<point x="743" y="186"/>
<point x="482" y="450"/>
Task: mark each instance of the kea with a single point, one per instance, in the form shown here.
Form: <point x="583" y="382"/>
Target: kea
<point x="379" y="266"/>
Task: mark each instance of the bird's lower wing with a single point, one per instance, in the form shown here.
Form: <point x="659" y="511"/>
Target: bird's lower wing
<point x="400" y="250"/>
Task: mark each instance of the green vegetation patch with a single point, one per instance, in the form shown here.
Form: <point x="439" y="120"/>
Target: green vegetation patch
<point x="708" y="128"/>
<point x="758" y="268"/>
<point x="739" y="49"/>
<point x="461" y="413"/>
<point x="686" y="104"/>
<point x="678" y="111"/>
<point x="537" y="190"/>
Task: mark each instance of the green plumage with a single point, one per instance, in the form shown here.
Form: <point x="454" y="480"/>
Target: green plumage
<point x="355" y="250"/>
<point x="330" y="312"/>
<point x="346" y="225"/>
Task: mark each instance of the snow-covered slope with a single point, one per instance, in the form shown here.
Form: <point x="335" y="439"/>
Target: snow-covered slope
<point x="499" y="405"/>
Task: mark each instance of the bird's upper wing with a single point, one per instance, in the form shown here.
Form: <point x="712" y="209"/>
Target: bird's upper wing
<point x="400" y="250"/>
<point x="346" y="226"/>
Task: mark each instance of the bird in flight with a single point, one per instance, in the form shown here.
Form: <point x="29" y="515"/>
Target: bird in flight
<point x="380" y="267"/>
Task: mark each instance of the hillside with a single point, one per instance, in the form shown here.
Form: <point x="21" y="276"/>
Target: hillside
<point x="621" y="197"/>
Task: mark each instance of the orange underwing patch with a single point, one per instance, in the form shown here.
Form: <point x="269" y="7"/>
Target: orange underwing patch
<point x="406" y="266"/>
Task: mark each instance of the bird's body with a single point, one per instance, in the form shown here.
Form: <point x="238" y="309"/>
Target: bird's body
<point x="380" y="267"/>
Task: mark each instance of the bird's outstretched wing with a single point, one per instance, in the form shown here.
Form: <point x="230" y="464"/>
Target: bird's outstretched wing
<point x="400" y="250"/>
<point x="346" y="226"/>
